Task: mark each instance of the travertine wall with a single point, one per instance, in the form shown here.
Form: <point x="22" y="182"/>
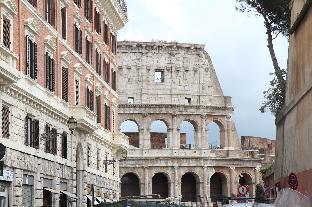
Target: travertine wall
<point x="188" y="73"/>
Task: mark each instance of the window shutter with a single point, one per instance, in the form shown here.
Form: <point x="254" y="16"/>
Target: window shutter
<point x="80" y="42"/>
<point x="35" y="61"/>
<point x="65" y="84"/>
<point x="6" y="32"/>
<point x="46" y="10"/>
<point x="53" y="74"/>
<point x="47" y="62"/>
<point x="26" y="130"/>
<point x="48" y="137"/>
<point x="54" y="141"/>
<point x="27" y="55"/>
<point x="91" y="101"/>
<point x="64" y="145"/>
<point x="52" y="13"/>
<point x="36" y="134"/>
<point x="76" y="38"/>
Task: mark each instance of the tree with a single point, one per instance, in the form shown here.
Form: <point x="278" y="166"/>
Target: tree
<point x="276" y="19"/>
<point x="259" y="194"/>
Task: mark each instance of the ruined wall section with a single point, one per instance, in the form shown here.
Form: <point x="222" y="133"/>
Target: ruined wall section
<point x="187" y="68"/>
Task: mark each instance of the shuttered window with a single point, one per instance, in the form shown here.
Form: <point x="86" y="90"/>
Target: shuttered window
<point x="64" y="145"/>
<point x="50" y="72"/>
<point x="50" y="11"/>
<point x="97" y="21"/>
<point x="31" y="58"/>
<point x="50" y="140"/>
<point x="88" y="51"/>
<point x="88" y="10"/>
<point x="64" y="23"/>
<point x="77" y="91"/>
<point x="114" y="44"/>
<point x="98" y="109"/>
<point x="6" y="32"/>
<point x="114" y="81"/>
<point x="32" y="132"/>
<point x="78" y="3"/>
<point x="65" y="84"/>
<point x="106" y="32"/>
<point x="107" y="117"/>
<point x="107" y="72"/>
<point x="98" y="63"/>
<point x="33" y="2"/>
<point x="78" y="40"/>
<point x="90" y="99"/>
<point x="5" y="121"/>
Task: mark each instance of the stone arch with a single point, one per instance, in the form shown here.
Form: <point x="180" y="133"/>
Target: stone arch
<point x="218" y="186"/>
<point x="130" y="185"/>
<point x="216" y="134"/>
<point x="161" y="184"/>
<point x="190" y="187"/>
<point x="159" y="134"/>
<point x="131" y="128"/>
<point x="188" y="133"/>
<point x="245" y="179"/>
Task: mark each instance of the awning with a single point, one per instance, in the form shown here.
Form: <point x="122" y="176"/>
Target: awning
<point x="70" y="194"/>
<point x="100" y="200"/>
<point x="52" y="190"/>
<point x="90" y="198"/>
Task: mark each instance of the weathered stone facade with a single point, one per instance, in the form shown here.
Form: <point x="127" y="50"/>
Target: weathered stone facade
<point x="175" y="82"/>
<point x="45" y="164"/>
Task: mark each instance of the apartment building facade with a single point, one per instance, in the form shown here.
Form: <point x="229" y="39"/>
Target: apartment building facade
<point x="58" y="63"/>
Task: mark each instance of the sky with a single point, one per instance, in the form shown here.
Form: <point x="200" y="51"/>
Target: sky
<point x="235" y="41"/>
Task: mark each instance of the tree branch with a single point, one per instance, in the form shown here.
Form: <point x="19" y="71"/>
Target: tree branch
<point x="276" y="35"/>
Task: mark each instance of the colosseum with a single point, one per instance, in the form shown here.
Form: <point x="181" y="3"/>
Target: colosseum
<point x="169" y="95"/>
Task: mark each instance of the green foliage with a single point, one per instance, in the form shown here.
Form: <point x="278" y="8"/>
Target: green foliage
<point x="276" y="18"/>
<point x="259" y="194"/>
<point x="266" y="169"/>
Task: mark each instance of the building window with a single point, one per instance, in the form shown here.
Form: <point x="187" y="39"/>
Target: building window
<point x="98" y="155"/>
<point x="47" y="198"/>
<point x="78" y="40"/>
<point x="31" y="58"/>
<point x="130" y="100"/>
<point x="90" y="98"/>
<point x="50" y="140"/>
<point x="107" y="72"/>
<point x="65" y="84"/>
<point x="188" y="100"/>
<point x="107" y="117"/>
<point x="50" y="11"/>
<point x="88" y="51"/>
<point x="28" y="190"/>
<point x="159" y="76"/>
<point x="88" y="10"/>
<point x="88" y="155"/>
<point x="78" y="3"/>
<point x="105" y="164"/>
<point x="114" y="44"/>
<point x="5" y="121"/>
<point x="64" y="22"/>
<point x="50" y="72"/>
<point x="98" y="63"/>
<point x="32" y="132"/>
<point x="33" y="2"/>
<point x="106" y="32"/>
<point x="98" y="109"/>
<point x="64" y="145"/>
<point x="114" y="81"/>
<point x="77" y="92"/>
<point x="97" y="21"/>
<point x="6" y="32"/>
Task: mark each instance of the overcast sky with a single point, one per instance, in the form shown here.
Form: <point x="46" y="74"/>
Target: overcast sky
<point x="235" y="41"/>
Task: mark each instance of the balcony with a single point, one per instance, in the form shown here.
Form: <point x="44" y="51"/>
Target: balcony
<point x="121" y="141"/>
<point x="86" y="119"/>
<point x="8" y="72"/>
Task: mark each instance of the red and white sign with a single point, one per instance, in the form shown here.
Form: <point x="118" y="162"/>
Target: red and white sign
<point x="243" y="190"/>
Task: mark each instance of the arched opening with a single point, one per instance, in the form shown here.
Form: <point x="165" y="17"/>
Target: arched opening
<point x="130" y="185"/>
<point x="158" y="134"/>
<point x="160" y="185"/>
<point x="214" y="136"/>
<point x="189" y="187"/>
<point x="131" y="129"/>
<point x="218" y="187"/>
<point x="187" y="135"/>
<point x="245" y="180"/>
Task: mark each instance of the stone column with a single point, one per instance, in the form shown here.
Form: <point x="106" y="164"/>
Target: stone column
<point x="204" y="132"/>
<point x="16" y="190"/>
<point x="146" y="139"/>
<point x="177" y="184"/>
<point x="233" y="181"/>
<point x="205" y="181"/>
<point x="141" y="137"/>
<point x="169" y="138"/>
<point x="146" y="181"/>
<point x="175" y="133"/>
<point x="198" y="138"/>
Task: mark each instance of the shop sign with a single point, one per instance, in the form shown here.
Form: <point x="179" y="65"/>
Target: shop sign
<point x="7" y="176"/>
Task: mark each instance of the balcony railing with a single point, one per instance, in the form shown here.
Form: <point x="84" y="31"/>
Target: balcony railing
<point x="86" y="119"/>
<point x="8" y="72"/>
